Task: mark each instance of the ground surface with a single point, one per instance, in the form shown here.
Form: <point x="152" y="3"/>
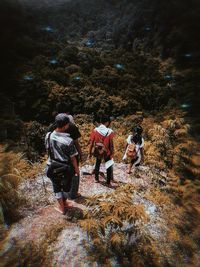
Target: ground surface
<point x="59" y="237"/>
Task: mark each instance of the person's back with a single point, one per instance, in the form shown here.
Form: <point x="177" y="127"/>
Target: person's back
<point x="137" y="140"/>
<point x="73" y="131"/>
<point x="62" y="146"/>
<point x="65" y="108"/>
<point x="62" y="164"/>
<point x="101" y="140"/>
<point x="103" y="135"/>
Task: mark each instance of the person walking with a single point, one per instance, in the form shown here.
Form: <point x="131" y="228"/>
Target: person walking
<point x="73" y="131"/>
<point x="62" y="163"/>
<point x="64" y="107"/>
<point x="134" y="148"/>
<point x="102" y="148"/>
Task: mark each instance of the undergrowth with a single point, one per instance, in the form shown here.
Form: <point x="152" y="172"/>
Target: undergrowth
<point x="14" y="169"/>
<point x="116" y="229"/>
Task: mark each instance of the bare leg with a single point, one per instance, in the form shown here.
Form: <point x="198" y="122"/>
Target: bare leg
<point x="61" y="206"/>
<point x="129" y="168"/>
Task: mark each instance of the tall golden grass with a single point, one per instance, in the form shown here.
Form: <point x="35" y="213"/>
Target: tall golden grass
<point x="14" y="168"/>
<point x="116" y="228"/>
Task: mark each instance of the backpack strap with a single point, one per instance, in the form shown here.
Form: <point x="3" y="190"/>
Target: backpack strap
<point x="132" y="142"/>
<point x="106" y="135"/>
<point x="103" y="137"/>
<point x="50" y="152"/>
<point x="51" y="155"/>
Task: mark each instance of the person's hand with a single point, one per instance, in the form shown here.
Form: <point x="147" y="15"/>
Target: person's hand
<point x="142" y="160"/>
<point x="81" y="157"/>
<point x="124" y="157"/>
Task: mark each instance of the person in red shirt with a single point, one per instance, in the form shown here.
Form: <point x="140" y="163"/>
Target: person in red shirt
<point x="101" y="146"/>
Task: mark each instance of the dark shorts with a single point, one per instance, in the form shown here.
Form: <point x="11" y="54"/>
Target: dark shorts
<point x="134" y="160"/>
<point x="62" y="183"/>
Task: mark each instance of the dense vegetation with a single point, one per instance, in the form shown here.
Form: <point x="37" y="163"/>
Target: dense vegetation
<point x="119" y="57"/>
<point x="116" y="222"/>
<point x="116" y="56"/>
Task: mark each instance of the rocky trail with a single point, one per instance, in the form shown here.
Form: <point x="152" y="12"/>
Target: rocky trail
<point x="58" y="237"/>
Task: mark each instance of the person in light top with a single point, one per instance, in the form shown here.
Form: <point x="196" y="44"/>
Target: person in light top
<point x="73" y="131"/>
<point x="136" y="139"/>
<point x="61" y="149"/>
<point x="101" y="147"/>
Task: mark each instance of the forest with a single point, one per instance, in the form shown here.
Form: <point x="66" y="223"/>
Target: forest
<point x="138" y="62"/>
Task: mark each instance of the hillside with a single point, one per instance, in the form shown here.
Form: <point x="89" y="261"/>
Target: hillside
<point x="137" y="61"/>
<point x="129" y="53"/>
<point x="161" y="198"/>
<point x="50" y="237"/>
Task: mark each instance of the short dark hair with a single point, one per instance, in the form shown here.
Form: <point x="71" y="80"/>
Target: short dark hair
<point x="138" y="129"/>
<point x="63" y="107"/>
<point x="105" y="118"/>
<point x="61" y="120"/>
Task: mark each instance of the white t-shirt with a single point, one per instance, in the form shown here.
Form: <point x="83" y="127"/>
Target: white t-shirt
<point x="129" y="141"/>
<point x="138" y="148"/>
<point x="62" y="146"/>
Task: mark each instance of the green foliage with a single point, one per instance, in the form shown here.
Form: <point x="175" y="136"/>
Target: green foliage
<point x="145" y="44"/>
<point x="71" y="69"/>
<point x="35" y="134"/>
<point x="11" y="129"/>
<point x="138" y="85"/>
<point x="59" y="75"/>
<point x="10" y="200"/>
<point x="116" y="228"/>
<point x="69" y="53"/>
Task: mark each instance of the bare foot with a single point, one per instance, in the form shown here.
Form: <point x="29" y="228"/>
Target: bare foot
<point x="109" y="185"/>
<point x="66" y="204"/>
<point x="60" y="210"/>
<point x="129" y="172"/>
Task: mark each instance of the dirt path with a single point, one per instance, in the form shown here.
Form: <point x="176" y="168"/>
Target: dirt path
<point x="59" y="237"/>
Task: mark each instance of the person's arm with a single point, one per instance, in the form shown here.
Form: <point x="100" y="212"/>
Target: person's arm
<point x="75" y="135"/>
<point x="91" y="143"/>
<point x="127" y="143"/>
<point x="142" y="150"/>
<point x="73" y="153"/>
<point x="75" y="165"/>
<point x="142" y="154"/>
<point x="91" y="148"/>
<point x="78" y="147"/>
<point x="91" y="138"/>
<point x="111" y="148"/>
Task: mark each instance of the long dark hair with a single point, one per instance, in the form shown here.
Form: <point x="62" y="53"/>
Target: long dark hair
<point x="137" y="135"/>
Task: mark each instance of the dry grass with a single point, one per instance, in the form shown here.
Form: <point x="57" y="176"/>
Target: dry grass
<point x="116" y="228"/>
<point x="169" y="147"/>
<point x="168" y="144"/>
<point x="13" y="170"/>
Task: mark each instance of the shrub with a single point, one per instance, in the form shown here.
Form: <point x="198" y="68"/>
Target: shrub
<point x="10" y="199"/>
<point x="35" y="134"/>
<point x="115" y="226"/>
<point x="11" y="129"/>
